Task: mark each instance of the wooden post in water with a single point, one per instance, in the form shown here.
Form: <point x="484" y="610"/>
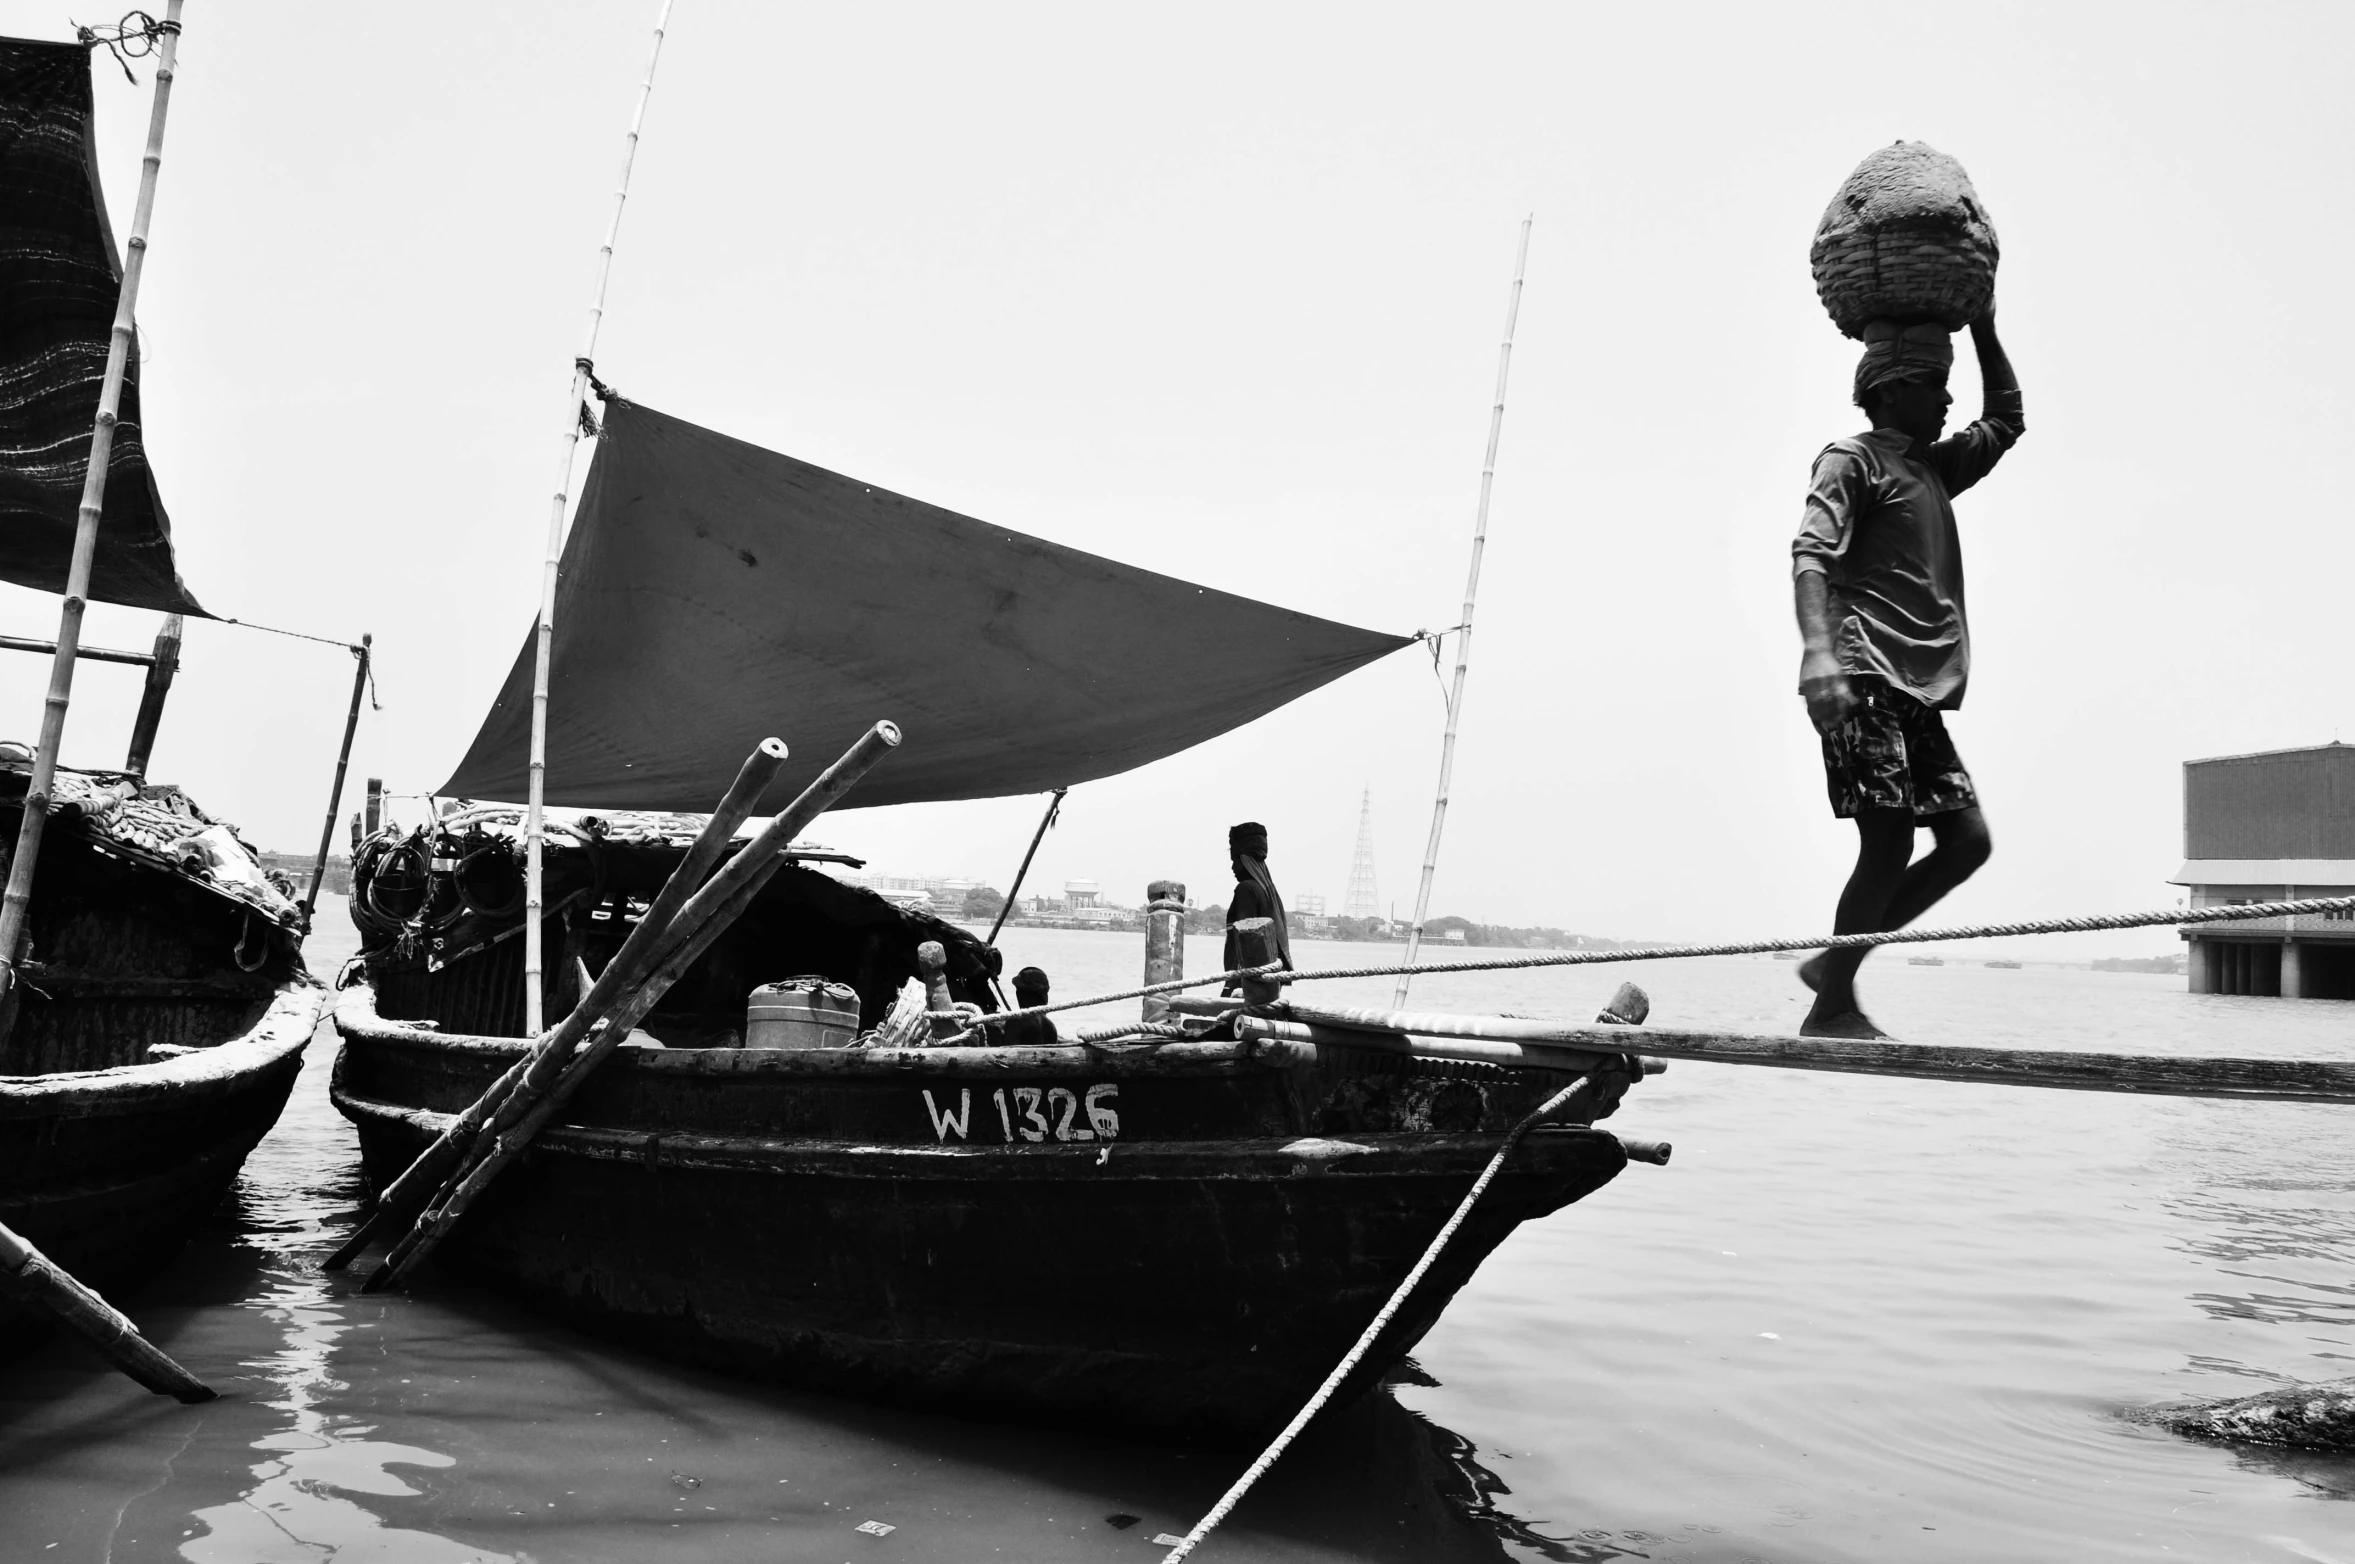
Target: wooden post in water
<point x="1455" y="694"/>
<point x="1255" y="946"/>
<point x="151" y="699"/>
<point x="16" y="903"/>
<point x="1165" y="942"/>
<point x="343" y="761"/>
<point x="535" y="787"/>
<point x="38" y="1279"/>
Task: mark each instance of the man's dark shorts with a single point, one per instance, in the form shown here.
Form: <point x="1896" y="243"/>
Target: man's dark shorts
<point x="1891" y="752"/>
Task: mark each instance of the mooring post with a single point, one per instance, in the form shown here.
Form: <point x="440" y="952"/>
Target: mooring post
<point x="1255" y="946"/>
<point x="1165" y="942"/>
<point x="373" y="821"/>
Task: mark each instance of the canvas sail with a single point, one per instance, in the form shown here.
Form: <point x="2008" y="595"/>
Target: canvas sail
<point x="59" y="283"/>
<point x="713" y="593"/>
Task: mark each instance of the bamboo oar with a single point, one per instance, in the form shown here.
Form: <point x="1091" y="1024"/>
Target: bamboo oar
<point x="39" y="1279"/>
<point x="15" y="903"/>
<point x="2291" y="1080"/>
<point x="407" y="1195"/>
<point x="706" y="916"/>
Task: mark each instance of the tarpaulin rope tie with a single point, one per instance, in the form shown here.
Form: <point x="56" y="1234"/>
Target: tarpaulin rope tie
<point x="125" y="41"/>
<point x="2307" y="907"/>
<point x="1365" y="1342"/>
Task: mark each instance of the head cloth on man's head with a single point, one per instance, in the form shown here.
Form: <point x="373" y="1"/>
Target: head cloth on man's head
<point x="1249" y="838"/>
<point x="1893" y="353"/>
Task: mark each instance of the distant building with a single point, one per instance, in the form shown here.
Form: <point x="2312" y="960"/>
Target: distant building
<point x="2273" y="826"/>
<point x="1081" y="893"/>
<point x="1310" y="906"/>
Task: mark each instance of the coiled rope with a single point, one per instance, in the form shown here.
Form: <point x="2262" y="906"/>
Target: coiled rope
<point x="1356" y="1354"/>
<point x="1588" y="958"/>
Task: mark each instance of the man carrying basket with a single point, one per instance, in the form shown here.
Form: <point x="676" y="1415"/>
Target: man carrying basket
<point x="1878" y="577"/>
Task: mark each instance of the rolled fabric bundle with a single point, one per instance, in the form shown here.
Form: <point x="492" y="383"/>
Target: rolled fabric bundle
<point x="1921" y="351"/>
<point x="1905" y="239"/>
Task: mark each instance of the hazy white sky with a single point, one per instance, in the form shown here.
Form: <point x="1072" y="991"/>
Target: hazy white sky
<point x="1217" y="291"/>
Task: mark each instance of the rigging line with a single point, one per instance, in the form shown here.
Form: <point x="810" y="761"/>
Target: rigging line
<point x="1365" y="1341"/>
<point x="352" y="647"/>
<point x="2312" y="906"/>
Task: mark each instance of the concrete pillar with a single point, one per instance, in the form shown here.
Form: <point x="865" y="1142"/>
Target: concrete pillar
<point x="2293" y="971"/>
<point x="1165" y="942"/>
<point x="2197" y="967"/>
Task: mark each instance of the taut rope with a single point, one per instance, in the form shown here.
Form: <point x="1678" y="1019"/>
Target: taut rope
<point x="1590" y="958"/>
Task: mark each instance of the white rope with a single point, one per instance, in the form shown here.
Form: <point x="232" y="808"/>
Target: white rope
<point x="2309" y="907"/>
<point x="1365" y="1342"/>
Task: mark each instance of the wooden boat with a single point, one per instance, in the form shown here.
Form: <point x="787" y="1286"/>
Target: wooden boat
<point x="1925" y="961"/>
<point x="153" y="1002"/>
<point x="1180" y="1238"/>
<point x="159" y="1026"/>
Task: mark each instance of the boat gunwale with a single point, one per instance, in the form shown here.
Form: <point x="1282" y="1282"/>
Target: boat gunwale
<point x="1388" y="1154"/>
<point x="284" y="1028"/>
<point x="356" y="1020"/>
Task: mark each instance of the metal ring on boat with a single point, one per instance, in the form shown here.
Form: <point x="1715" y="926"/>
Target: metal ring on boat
<point x="237" y="951"/>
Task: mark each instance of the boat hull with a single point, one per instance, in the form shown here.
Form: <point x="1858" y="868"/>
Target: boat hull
<point x="872" y="1222"/>
<point x="107" y="1171"/>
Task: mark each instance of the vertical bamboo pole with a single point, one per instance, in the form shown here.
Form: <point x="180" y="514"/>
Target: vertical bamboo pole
<point x="1455" y="694"/>
<point x="534" y="822"/>
<point x="18" y="898"/>
<point x="343" y="761"/>
<point x="151" y="698"/>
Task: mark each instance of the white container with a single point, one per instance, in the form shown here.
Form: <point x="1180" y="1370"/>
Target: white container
<point x="802" y="1012"/>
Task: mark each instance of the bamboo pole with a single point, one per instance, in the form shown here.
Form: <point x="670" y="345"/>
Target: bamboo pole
<point x="16" y="902"/>
<point x="2286" y="1080"/>
<point x="409" y="1194"/>
<point x="1006" y="908"/>
<point x="534" y="833"/>
<point x="1455" y="694"/>
<point x="343" y="761"/>
<point x="162" y="663"/>
<point x="41" y="1280"/>
<point x="708" y="915"/>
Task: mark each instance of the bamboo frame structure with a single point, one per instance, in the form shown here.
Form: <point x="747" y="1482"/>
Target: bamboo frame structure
<point x="1455" y="694"/>
<point x="544" y="640"/>
<point x="161" y="666"/>
<point x="39" y="1280"/>
<point x="17" y="901"/>
<point x="343" y="762"/>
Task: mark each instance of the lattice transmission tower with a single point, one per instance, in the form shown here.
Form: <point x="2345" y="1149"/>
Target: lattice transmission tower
<point x="1364" y="901"/>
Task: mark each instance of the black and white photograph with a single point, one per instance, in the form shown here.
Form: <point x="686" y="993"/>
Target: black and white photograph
<point x="1506" y="784"/>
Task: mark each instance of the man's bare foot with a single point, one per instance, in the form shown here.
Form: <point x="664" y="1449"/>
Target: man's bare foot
<point x="1848" y="1022"/>
<point x="1811" y="971"/>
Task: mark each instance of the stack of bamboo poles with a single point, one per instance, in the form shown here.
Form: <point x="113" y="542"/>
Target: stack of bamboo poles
<point x="428" y="1199"/>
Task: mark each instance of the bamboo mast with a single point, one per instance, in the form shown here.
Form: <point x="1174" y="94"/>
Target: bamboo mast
<point x="1455" y="695"/>
<point x="343" y="761"/>
<point x="534" y="822"/>
<point x="18" y="898"/>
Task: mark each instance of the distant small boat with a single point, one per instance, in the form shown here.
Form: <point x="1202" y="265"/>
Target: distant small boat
<point x="1786" y="955"/>
<point x="2008" y="966"/>
<point x="1925" y="961"/>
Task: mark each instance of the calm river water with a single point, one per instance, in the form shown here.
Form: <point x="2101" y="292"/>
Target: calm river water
<point x="1855" y="1319"/>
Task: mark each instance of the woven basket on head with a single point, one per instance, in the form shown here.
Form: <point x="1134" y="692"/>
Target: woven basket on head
<point x="1905" y="239"/>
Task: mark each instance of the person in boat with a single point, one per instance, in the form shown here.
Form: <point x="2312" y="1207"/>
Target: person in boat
<point x="1255" y="894"/>
<point x="1878" y="578"/>
<point x="1030" y="988"/>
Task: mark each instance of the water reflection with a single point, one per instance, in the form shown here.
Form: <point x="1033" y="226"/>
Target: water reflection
<point x="297" y="1511"/>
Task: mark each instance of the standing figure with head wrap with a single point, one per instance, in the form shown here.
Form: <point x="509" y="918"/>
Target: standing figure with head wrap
<point x="1255" y="892"/>
<point x="1878" y="575"/>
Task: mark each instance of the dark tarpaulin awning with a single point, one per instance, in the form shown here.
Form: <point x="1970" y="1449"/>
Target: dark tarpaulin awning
<point x="714" y="593"/>
<point x="59" y="283"/>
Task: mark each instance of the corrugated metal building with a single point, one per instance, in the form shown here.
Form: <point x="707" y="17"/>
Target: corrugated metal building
<point x="2271" y="827"/>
